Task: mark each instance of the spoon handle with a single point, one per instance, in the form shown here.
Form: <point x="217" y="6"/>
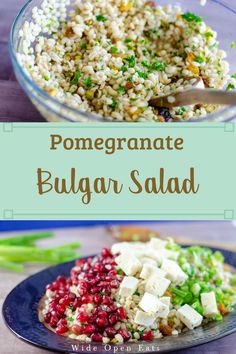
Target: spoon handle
<point x="195" y="96"/>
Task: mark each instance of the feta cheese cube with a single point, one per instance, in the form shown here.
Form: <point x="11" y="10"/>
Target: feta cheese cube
<point x="119" y="247"/>
<point x="144" y="318"/>
<point x="128" y="247"/>
<point x="174" y="272"/>
<point x="189" y="316"/>
<point x="150" y="303"/>
<point x="148" y="270"/>
<point x="170" y="254"/>
<point x="144" y="260"/>
<point x="128" y="263"/>
<point x="157" y="285"/>
<point x="154" y="254"/>
<point x="157" y="243"/>
<point x="165" y="312"/>
<point x="209" y="304"/>
<point x="128" y="286"/>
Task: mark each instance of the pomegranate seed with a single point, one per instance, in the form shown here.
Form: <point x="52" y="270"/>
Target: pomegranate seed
<point x="62" y="322"/>
<point x="61" y="279"/>
<point x="101" y="322"/>
<point x="147" y="335"/>
<point x="95" y="290"/>
<point x="82" y="317"/>
<point x="113" y="319"/>
<point x="92" y="319"/>
<point x="98" y="268"/>
<point x="47" y="317"/>
<point x="125" y="334"/>
<point x="111" y="308"/>
<point x="96" y="337"/>
<point x="107" y="300"/>
<point x="111" y="332"/>
<point x="61" y="330"/>
<point x="121" y="313"/>
<point x="114" y="284"/>
<point x="53" y="322"/>
<point x="65" y="301"/>
<point x="72" y="296"/>
<point x="89" y="329"/>
<point x="83" y="288"/>
<point x="102" y="314"/>
<point x="76" y="329"/>
<point x="87" y="299"/>
<point x="112" y="273"/>
<point x="61" y="309"/>
<point x="80" y="262"/>
<point x="98" y="299"/>
<point x="77" y="303"/>
<point x="106" y="252"/>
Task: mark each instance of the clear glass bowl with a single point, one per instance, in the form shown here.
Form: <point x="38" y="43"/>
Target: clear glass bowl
<point x="218" y="15"/>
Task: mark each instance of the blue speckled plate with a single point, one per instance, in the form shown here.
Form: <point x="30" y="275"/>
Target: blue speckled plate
<point x="20" y="311"/>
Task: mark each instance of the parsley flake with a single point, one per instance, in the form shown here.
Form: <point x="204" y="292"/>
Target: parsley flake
<point x="131" y="61"/>
<point x="191" y="17"/>
<point x="88" y="82"/>
<point x="76" y="78"/>
<point x="101" y="18"/>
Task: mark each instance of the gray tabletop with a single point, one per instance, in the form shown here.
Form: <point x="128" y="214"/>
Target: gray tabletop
<point x="92" y="240"/>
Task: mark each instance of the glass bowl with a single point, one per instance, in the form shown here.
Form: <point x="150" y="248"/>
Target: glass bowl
<point x="216" y="13"/>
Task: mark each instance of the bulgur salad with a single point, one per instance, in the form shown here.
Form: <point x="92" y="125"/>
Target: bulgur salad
<point x="139" y="291"/>
<point x="111" y="57"/>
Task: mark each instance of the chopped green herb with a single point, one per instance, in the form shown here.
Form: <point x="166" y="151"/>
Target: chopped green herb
<point x="114" y="50"/>
<point x="230" y="87"/>
<point x="83" y="45"/>
<point x="199" y="59"/>
<point x="76" y="78"/>
<point x="158" y="66"/>
<point x="145" y="63"/>
<point x="144" y="52"/>
<point x="101" y="18"/>
<point x="124" y="68"/>
<point x="214" y="45"/>
<point x="121" y="90"/>
<point x="47" y="78"/>
<point x="131" y="61"/>
<point x="88" y="82"/>
<point x="219" y="256"/>
<point x="152" y="33"/>
<point x="127" y="40"/>
<point x="182" y="110"/>
<point x="142" y="75"/>
<point x="232" y="45"/>
<point x="191" y="17"/>
<point x="233" y="76"/>
<point x="71" y="319"/>
<point x="208" y="34"/>
<point x="218" y="317"/>
<point x="114" y="104"/>
<point x="120" y="272"/>
<point x="67" y="74"/>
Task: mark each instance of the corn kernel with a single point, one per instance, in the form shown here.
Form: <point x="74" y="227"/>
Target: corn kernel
<point x="90" y="95"/>
<point x="190" y="57"/>
<point x="115" y="71"/>
<point x="52" y="92"/>
<point x="194" y="69"/>
<point x="137" y="112"/>
<point x="126" y="7"/>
